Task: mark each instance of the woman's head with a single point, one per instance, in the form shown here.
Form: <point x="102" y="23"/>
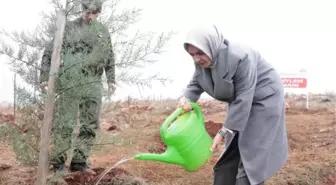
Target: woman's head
<point x="203" y="44"/>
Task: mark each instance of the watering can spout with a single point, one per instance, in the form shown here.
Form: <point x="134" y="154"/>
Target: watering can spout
<point x="169" y="156"/>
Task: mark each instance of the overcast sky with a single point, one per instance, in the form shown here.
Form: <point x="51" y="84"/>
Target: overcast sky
<point x="291" y="34"/>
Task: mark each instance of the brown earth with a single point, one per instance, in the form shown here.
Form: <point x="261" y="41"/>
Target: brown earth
<point x="134" y="129"/>
<point x="111" y="177"/>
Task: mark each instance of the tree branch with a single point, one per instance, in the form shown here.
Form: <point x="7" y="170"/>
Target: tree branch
<point x="23" y="61"/>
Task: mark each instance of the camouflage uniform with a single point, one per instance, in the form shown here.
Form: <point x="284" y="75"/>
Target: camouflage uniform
<point x="86" y="53"/>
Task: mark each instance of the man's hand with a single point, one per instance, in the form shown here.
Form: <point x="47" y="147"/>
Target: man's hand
<point x="44" y="87"/>
<point x="111" y="88"/>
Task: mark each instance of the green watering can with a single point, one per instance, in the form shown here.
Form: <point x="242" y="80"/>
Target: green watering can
<point x="188" y="143"/>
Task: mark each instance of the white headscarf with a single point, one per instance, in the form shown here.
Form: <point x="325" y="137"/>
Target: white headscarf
<point x="206" y="38"/>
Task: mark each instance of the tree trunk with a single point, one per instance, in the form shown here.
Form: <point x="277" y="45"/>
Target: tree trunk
<point x="48" y="114"/>
<point x="14" y="94"/>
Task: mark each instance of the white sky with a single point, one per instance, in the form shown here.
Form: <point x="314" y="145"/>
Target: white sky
<point x="291" y="34"/>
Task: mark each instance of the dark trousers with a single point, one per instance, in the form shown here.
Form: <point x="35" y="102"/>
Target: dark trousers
<point x="229" y="170"/>
<point x="66" y="119"/>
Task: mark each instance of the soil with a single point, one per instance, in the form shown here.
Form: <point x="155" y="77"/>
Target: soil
<point x="6" y="117"/>
<point x="331" y="180"/>
<point x="212" y="127"/>
<point x="157" y="146"/>
<point x="82" y="178"/>
<point x="311" y="137"/>
<point x="4" y="167"/>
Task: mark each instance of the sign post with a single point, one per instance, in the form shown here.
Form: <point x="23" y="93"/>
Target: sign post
<point x="296" y="81"/>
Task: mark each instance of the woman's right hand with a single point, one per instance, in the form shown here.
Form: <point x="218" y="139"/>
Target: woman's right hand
<point x="184" y="103"/>
<point x="217" y="141"/>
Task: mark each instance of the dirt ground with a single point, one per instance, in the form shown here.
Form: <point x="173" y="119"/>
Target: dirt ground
<point x="134" y="128"/>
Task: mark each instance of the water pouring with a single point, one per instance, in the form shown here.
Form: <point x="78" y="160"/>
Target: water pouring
<point x="188" y="142"/>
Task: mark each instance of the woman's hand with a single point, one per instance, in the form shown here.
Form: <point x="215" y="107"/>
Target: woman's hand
<point x="185" y="104"/>
<point x="217" y="141"/>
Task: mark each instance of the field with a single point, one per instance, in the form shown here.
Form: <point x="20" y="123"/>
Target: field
<point x="133" y="127"/>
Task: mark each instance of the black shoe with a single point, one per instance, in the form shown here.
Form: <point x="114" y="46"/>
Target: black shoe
<point x="61" y="169"/>
<point x="82" y="167"/>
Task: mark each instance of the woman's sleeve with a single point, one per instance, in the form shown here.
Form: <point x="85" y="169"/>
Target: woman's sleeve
<point x="245" y="81"/>
<point x="193" y="90"/>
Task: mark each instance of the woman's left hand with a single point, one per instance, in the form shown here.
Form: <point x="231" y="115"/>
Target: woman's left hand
<point x="217" y="141"/>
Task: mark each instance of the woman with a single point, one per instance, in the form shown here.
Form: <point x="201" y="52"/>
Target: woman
<point x="254" y="130"/>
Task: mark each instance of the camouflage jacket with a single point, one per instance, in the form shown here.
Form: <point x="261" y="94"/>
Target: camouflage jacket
<point x="89" y="44"/>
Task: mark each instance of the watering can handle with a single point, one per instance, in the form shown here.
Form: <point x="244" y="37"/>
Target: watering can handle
<point x="176" y="113"/>
<point x="169" y="120"/>
<point x="198" y="111"/>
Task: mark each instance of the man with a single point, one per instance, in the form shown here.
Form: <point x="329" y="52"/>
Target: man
<point x="86" y="53"/>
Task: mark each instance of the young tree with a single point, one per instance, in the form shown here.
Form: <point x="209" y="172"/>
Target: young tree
<point x="48" y="113"/>
<point x="130" y="53"/>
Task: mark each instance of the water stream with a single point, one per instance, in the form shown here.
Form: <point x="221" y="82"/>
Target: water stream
<point x="100" y="177"/>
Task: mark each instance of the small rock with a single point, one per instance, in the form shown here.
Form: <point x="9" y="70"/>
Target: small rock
<point x="324" y="130"/>
<point x="112" y="127"/>
<point x="4" y="167"/>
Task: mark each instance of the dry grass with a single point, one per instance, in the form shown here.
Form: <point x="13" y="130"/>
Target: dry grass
<point x="311" y="135"/>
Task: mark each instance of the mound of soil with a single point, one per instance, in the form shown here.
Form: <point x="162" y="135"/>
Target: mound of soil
<point x="6" y="117"/>
<point x="4" y="167"/>
<point x="82" y="178"/>
<point x="10" y="119"/>
<point x="212" y="127"/>
<point x="309" y="111"/>
<point x="213" y="107"/>
<point x="157" y="146"/>
<point x="331" y="180"/>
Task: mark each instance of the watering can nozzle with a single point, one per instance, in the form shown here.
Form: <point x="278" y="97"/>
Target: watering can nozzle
<point x="169" y="156"/>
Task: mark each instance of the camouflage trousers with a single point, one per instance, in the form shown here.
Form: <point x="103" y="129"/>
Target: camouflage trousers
<point x="66" y="119"/>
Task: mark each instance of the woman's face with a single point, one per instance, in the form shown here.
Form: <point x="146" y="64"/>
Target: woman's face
<point x="199" y="56"/>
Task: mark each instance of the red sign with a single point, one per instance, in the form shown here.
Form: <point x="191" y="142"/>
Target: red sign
<point x="294" y="82"/>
